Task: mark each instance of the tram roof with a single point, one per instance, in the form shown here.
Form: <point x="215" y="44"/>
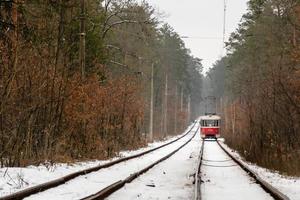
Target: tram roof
<point x="210" y="117"/>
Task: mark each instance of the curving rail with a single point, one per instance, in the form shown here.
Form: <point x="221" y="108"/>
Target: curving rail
<point x="119" y="184"/>
<point x="59" y="181"/>
<point x="198" y="174"/>
<point x="275" y="193"/>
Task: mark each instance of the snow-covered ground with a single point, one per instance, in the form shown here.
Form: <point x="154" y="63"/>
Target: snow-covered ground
<point x="14" y="179"/>
<point x="171" y="179"/>
<point x="289" y="186"/>
<point x="91" y="183"/>
<point x="223" y="179"/>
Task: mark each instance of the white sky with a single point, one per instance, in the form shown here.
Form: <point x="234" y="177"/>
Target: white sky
<point x="202" y="18"/>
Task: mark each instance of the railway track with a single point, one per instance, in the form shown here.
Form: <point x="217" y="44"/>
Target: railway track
<point x="102" y="194"/>
<point x="60" y="181"/>
<point x="230" y="162"/>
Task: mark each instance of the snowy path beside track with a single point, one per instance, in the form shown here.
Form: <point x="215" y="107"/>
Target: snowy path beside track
<point x="14" y="179"/>
<point x="91" y="183"/>
<point x="224" y="180"/>
<point x="171" y="179"/>
<point x="288" y="185"/>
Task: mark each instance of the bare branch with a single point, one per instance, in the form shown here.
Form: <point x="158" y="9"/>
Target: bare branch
<point x="122" y="22"/>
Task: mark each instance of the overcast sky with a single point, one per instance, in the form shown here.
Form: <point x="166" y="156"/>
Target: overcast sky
<point x="204" y="19"/>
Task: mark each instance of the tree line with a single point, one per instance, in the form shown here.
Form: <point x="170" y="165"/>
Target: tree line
<point x="78" y="78"/>
<point x="258" y="85"/>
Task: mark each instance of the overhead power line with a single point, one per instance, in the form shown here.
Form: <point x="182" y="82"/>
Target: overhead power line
<point x="201" y="37"/>
<point x="224" y="25"/>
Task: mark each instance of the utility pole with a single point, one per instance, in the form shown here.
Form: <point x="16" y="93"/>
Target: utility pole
<point x="233" y="115"/>
<point x="181" y="105"/>
<point x="82" y="54"/>
<point x="82" y="38"/>
<point x="166" y="107"/>
<point x="151" y="104"/>
<point x="189" y="109"/>
<point x="175" y="113"/>
<point x="181" y="99"/>
<point x="224" y="26"/>
<point x="14" y="35"/>
<point x="14" y="14"/>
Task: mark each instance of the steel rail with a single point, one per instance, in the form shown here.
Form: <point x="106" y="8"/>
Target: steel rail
<point x="102" y="194"/>
<point x="198" y="174"/>
<point x="59" y="181"/>
<point x="274" y="192"/>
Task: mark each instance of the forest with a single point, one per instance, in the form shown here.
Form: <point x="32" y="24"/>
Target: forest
<point x="86" y="79"/>
<point x="258" y="85"/>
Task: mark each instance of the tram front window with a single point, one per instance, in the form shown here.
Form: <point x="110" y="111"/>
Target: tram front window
<point x="210" y="123"/>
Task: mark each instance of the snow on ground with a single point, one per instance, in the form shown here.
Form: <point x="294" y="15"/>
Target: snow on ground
<point x="224" y="180"/>
<point x="289" y="186"/>
<point x="91" y="183"/>
<point x="171" y="179"/>
<point x="14" y="179"/>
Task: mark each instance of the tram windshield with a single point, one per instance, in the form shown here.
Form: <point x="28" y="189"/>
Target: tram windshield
<point x="209" y="122"/>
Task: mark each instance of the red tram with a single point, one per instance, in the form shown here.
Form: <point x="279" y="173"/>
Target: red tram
<point x="210" y="126"/>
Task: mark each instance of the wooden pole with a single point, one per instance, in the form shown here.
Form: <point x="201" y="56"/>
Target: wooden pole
<point x="181" y="99"/>
<point x="82" y="38"/>
<point x="189" y="110"/>
<point x="151" y="104"/>
<point x="82" y="35"/>
<point x="166" y="108"/>
<point x="175" y="113"/>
